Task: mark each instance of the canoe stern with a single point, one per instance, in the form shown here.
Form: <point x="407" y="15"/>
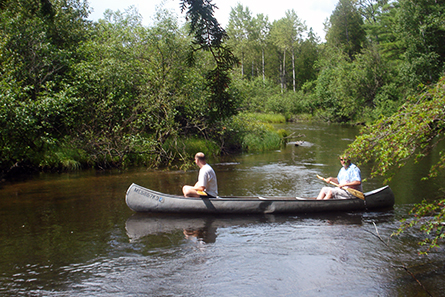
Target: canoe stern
<point x="380" y="198"/>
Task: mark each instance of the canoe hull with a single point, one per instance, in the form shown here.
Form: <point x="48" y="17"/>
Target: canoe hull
<point x="141" y="199"/>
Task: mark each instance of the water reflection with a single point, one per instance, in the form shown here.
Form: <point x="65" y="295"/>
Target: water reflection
<point x="205" y="227"/>
<point x="318" y="254"/>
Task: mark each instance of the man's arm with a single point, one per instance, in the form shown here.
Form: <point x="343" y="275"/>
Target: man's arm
<point x="198" y="187"/>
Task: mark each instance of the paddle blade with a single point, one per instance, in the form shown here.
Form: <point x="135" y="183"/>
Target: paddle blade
<point x="356" y="193"/>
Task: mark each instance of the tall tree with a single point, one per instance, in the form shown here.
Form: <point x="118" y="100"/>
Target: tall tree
<point x="260" y="33"/>
<point x="308" y="56"/>
<point x="239" y="29"/>
<point x="384" y="33"/>
<point x="421" y="30"/>
<point x="210" y="36"/>
<point x="371" y="9"/>
<point x="287" y="35"/>
<point x="346" y="28"/>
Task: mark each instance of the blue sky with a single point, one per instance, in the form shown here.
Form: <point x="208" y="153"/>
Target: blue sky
<point x="313" y="12"/>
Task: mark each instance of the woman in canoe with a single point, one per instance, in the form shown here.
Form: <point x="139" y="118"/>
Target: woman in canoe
<point x="349" y="176"/>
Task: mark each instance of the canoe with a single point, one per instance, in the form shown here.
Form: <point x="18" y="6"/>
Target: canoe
<point x="141" y="199"/>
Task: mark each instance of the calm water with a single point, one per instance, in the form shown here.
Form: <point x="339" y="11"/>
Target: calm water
<point x="72" y="234"/>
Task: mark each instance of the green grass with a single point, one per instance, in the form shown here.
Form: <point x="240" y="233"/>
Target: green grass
<point x="255" y="131"/>
<point x="259" y="142"/>
<point x="266" y="117"/>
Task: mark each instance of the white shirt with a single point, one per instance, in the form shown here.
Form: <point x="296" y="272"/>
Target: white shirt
<point x="349" y="175"/>
<point x="207" y="179"/>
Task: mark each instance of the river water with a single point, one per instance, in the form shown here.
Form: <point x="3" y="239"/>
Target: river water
<point x="72" y="234"/>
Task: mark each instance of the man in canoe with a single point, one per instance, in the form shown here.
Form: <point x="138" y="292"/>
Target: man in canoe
<point x="207" y="185"/>
<point x="348" y="177"/>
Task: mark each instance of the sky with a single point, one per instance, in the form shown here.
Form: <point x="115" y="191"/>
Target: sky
<point x="313" y="12"/>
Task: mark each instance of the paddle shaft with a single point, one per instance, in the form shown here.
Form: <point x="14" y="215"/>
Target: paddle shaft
<point x="354" y="192"/>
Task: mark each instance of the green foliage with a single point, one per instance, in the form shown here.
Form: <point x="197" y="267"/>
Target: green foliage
<point x="347" y="89"/>
<point x="307" y="55"/>
<point x="39" y="40"/>
<point x="124" y="99"/>
<point x="63" y="158"/>
<point x="265" y="97"/>
<point x="37" y="49"/>
<point x="411" y="132"/>
<point x="346" y="29"/>
<point x="255" y="93"/>
<point x="259" y="142"/>
<point x="430" y="218"/>
<point x="115" y="93"/>
<point x="239" y="30"/>
<point x="245" y="132"/>
<point x="421" y="31"/>
<point x="209" y="36"/>
<point x="340" y="102"/>
<point x="187" y="148"/>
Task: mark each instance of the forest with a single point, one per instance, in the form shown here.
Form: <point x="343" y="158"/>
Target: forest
<point x="114" y="93"/>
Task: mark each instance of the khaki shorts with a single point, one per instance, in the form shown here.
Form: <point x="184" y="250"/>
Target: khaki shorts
<point x="338" y="193"/>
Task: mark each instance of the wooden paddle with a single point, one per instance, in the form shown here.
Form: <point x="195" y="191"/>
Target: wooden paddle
<point x="354" y="192"/>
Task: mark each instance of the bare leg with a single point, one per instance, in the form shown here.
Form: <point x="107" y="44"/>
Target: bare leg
<point x="328" y="195"/>
<point x="324" y="194"/>
<point x="189" y="191"/>
<point x="321" y="195"/>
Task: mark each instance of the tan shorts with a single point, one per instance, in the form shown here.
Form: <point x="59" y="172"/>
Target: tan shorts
<point x="338" y="193"/>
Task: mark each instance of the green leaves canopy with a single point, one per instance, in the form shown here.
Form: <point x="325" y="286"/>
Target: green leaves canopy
<point x="411" y="132"/>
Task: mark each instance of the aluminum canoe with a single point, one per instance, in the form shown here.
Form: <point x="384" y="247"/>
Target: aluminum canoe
<point x="141" y="199"/>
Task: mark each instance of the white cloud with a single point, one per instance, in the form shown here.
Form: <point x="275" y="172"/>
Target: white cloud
<point x="313" y="12"/>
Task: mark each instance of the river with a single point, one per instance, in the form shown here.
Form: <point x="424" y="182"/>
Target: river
<point x="71" y="234"/>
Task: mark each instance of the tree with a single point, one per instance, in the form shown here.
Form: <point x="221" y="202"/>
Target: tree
<point x="420" y="28"/>
<point x="418" y="126"/>
<point x="38" y="45"/>
<point x="371" y="9"/>
<point x="40" y="39"/>
<point x="286" y="34"/>
<point x="346" y="28"/>
<point x="306" y="59"/>
<point x="239" y="30"/>
<point x="261" y="30"/>
<point x="210" y="36"/>
<point x="137" y="93"/>
<point x="384" y="33"/>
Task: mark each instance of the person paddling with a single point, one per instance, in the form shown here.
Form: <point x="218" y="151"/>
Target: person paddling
<point x="207" y="185"/>
<point x="349" y="176"/>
